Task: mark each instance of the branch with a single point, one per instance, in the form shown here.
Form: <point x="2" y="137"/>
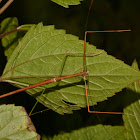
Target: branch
<point x="6" y="6"/>
<point x="7" y="33"/>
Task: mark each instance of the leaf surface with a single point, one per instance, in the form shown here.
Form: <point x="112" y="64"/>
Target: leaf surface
<point x="132" y="101"/>
<point x="15" y="124"/>
<point x="97" y="132"/>
<point x="10" y="41"/>
<point x="66" y="3"/>
<point x="41" y="56"/>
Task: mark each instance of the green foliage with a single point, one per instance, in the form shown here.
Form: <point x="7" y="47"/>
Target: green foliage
<point x="41" y="56"/>
<point x="66" y="3"/>
<point x="97" y="132"/>
<point x="15" y="124"/>
<point x="10" y="41"/>
<point x="132" y="102"/>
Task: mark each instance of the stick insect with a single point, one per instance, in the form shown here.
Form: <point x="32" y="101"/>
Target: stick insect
<point x="83" y="73"/>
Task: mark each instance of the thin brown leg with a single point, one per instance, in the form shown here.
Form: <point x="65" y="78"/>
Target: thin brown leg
<point x="107" y="31"/>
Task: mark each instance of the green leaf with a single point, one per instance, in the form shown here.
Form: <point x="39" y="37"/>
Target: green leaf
<point x="132" y="102"/>
<point x="10" y="41"/>
<point x="97" y="132"/>
<point x="15" y="124"/>
<point x="41" y="56"/>
<point x="66" y="3"/>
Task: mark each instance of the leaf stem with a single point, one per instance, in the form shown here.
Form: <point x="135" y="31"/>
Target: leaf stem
<point x="10" y="32"/>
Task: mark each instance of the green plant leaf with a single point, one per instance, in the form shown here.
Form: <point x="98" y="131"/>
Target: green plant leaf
<point x="41" y="56"/>
<point x="10" y="41"/>
<point x="16" y="124"/>
<point x="66" y="3"/>
<point x="97" y="132"/>
<point x="132" y="101"/>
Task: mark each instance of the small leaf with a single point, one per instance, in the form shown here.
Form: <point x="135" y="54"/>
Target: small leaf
<point x="16" y="124"/>
<point x="41" y="56"/>
<point x="97" y="132"/>
<point x="132" y="102"/>
<point x="66" y="3"/>
<point x="10" y="42"/>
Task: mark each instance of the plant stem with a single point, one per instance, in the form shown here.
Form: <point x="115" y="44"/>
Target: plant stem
<point x="10" y="32"/>
<point x="7" y="33"/>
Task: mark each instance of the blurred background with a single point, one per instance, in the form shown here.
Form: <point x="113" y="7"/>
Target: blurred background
<point x="104" y="15"/>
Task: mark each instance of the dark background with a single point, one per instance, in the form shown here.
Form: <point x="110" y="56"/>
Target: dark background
<point x="104" y="15"/>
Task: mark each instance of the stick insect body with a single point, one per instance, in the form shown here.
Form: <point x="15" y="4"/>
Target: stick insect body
<point x="83" y="73"/>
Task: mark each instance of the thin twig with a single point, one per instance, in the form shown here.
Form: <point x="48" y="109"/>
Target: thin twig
<point x="6" y="6"/>
<point x="88" y="14"/>
<point x="12" y="31"/>
<point x="7" y="33"/>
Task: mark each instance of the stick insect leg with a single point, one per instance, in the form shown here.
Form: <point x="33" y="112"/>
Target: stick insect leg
<point x="108" y="31"/>
<point x="119" y="113"/>
<point x="63" y="63"/>
<point x="84" y="65"/>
